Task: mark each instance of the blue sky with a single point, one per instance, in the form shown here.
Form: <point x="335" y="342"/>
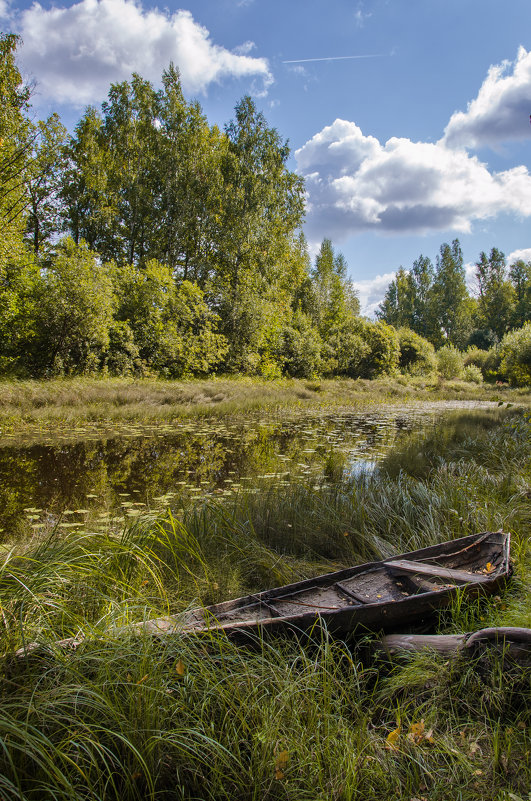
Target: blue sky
<point x="422" y="137"/>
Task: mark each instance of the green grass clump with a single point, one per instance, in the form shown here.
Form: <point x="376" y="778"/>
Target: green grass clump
<point x="130" y="717"/>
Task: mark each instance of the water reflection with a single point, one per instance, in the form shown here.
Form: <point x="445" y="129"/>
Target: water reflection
<point x="100" y="479"/>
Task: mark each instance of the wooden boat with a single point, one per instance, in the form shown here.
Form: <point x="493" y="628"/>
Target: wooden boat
<point x="390" y="595"/>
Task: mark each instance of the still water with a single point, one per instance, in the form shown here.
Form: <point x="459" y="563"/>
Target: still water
<point x="98" y="477"/>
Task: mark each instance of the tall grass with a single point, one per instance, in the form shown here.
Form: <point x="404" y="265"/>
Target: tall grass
<point x="82" y="400"/>
<point x="128" y="717"/>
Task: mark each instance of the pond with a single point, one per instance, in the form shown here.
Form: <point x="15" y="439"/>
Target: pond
<point x="98" y="477"/>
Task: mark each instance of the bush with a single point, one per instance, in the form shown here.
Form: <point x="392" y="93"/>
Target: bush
<point x="473" y="374"/>
<point x="417" y="355"/>
<point x="492" y="369"/>
<point x="476" y="356"/>
<point x="300" y="348"/>
<point x="515" y="353"/>
<point x="345" y="349"/>
<point x="384" y="349"/>
<point x="450" y="362"/>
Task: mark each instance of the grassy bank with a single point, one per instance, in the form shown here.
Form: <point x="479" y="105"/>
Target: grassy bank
<point x="128" y="718"/>
<point x="79" y="400"/>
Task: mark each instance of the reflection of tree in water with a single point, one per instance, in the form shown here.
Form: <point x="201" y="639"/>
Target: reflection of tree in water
<point x="56" y="477"/>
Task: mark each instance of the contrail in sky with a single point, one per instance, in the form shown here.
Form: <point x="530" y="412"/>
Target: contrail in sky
<point x="332" y="58"/>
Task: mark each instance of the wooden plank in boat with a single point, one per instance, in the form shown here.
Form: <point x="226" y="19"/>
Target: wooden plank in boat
<point x="423" y="569"/>
<point x="354" y="595"/>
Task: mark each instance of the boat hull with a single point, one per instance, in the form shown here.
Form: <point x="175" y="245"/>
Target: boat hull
<point x="391" y="595"/>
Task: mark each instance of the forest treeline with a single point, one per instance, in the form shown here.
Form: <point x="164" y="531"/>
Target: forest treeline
<point x="148" y="241"/>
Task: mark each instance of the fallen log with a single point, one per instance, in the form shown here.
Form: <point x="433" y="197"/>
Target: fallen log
<point x="510" y="641"/>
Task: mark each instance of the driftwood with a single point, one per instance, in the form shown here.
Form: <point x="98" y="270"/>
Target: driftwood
<point x="515" y="643"/>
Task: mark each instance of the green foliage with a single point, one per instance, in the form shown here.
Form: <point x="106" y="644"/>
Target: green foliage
<point x="300" y="348"/>
<point x="520" y="276"/>
<point x="384" y="350"/>
<point x="515" y="352"/>
<point x="173" y="328"/>
<point x="44" y="179"/>
<point x="417" y="355"/>
<point x="15" y="148"/>
<point x="73" y="314"/>
<point x="450" y="295"/>
<point x="496" y="294"/>
<point x="472" y="373"/>
<point x="450" y="362"/>
<point x="347" y="350"/>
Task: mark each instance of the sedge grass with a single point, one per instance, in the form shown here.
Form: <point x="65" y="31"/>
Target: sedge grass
<point x="127" y="717"/>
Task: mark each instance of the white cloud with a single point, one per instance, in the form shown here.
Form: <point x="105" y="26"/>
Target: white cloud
<point x="500" y="112"/>
<point x="524" y="254"/>
<point x="354" y="184"/>
<point x="371" y="292"/>
<point x="4" y="9"/>
<point x="77" y="52"/>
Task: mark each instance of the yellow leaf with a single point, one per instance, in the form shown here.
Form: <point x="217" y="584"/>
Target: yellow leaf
<point x="179" y="668"/>
<point x="489" y="567"/>
<point x="281" y="762"/>
<point x="393" y="737"/>
<point x="417" y="733"/>
<point x="143" y="678"/>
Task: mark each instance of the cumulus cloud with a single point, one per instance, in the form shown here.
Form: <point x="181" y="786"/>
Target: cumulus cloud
<point x="4" y="9"/>
<point x="78" y="51"/>
<point x="354" y="183"/>
<point x="524" y="254"/>
<point x="371" y="292"/>
<point x="501" y="110"/>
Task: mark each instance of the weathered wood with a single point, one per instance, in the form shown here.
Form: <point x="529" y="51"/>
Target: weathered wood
<point x="354" y="595"/>
<point x="501" y="634"/>
<point x="382" y="600"/>
<point x="442" y="643"/>
<point x="510" y="641"/>
<point x="424" y="569"/>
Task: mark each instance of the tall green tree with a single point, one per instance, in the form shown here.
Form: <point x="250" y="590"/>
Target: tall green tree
<point x="15" y="148"/>
<point x="398" y="306"/>
<point x="262" y="207"/>
<point x="496" y="294"/>
<point x="450" y="296"/>
<point x="520" y="276"/>
<point x="335" y="297"/>
<point x="44" y="180"/>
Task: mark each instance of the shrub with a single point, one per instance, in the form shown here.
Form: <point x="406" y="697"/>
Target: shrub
<point x="300" y="348"/>
<point x="476" y="356"/>
<point x="384" y="350"/>
<point x="473" y="374"/>
<point x="492" y="369"/>
<point x="450" y="362"/>
<point x="417" y="355"/>
<point x="515" y="353"/>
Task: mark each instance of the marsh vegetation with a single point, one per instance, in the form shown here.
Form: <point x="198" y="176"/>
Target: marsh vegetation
<point x="132" y="718"/>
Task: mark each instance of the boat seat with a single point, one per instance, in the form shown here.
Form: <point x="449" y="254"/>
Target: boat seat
<point x="424" y="569"/>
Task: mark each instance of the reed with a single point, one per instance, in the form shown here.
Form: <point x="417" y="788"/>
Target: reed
<point x="128" y="717"/>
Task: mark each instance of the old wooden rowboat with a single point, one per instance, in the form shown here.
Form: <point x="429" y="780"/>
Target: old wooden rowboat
<point x="390" y="595"/>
